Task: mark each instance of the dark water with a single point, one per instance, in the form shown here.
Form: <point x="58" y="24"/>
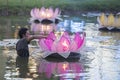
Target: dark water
<point x="100" y="58"/>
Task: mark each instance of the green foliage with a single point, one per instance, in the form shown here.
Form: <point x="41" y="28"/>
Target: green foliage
<point x="65" y="5"/>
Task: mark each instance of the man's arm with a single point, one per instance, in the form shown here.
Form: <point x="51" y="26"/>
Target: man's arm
<point x="36" y="37"/>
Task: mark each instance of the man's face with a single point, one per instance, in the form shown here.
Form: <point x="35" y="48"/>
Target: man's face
<point x="27" y="33"/>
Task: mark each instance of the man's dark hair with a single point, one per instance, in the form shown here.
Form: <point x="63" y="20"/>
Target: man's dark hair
<point x="22" y="32"/>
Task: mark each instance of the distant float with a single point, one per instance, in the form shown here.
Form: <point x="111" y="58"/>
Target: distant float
<point x="45" y="15"/>
<point x="109" y="22"/>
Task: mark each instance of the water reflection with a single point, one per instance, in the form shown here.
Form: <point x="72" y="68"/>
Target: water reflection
<point x="22" y="65"/>
<point x="62" y="70"/>
<point x="71" y="26"/>
<point x="99" y="61"/>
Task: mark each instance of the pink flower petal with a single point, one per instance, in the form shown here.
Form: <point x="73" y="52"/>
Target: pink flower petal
<point x="53" y="47"/>
<point x="64" y="43"/>
<point x="79" y="40"/>
<point x="42" y="44"/>
<point x="73" y="46"/>
<point x="51" y="36"/>
<point x="48" y="42"/>
<point x="59" y="48"/>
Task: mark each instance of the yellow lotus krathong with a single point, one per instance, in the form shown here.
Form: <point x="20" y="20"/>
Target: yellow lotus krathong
<point x="109" y="23"/>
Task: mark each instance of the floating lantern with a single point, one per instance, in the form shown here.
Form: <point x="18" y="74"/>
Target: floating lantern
<point x="64" y="45"/>
<point x="45" y="15"/>
<point x="109" y="23"/>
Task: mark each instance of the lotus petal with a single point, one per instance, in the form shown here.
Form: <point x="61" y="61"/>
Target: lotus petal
<point x="52" y="36"/>
<point x="36" y="12"/>
<point x="48" y="42"/>
<point x="53" y="47"/>
<point x="42" y="44"/>
<point x="117" y="22"/>
<point x="65" y="43"/>
<point x="73" y="46"/>
<point x="56" y="13"/>
<point x="79" y="40"/>
<point x="65" y="34"/>
<point x="32" y="13"/>
<point x="51" y="13"/>
<point x="60" y="48"/>
<point x="102" y="20"/>
<point x="42" y="13"/>
<point x="110" y="20"/>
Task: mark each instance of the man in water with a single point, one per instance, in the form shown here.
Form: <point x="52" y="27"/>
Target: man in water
<point x="25" y="38"/>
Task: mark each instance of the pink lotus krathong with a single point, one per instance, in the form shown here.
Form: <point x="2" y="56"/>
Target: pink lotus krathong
<point x="64" y="44"/>
<point x="44" y="14"/>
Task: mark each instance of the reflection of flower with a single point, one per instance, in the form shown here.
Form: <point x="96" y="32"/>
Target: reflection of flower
<point x="42" y="28"/>
<point x="64" y="44"/>
<point x="39" y="15"/>
<point x="62" y="69"/>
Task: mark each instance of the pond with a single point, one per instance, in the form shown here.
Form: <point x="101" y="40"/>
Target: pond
<point x="100" y="58"/>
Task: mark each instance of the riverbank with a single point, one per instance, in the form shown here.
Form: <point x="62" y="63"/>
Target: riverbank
<point x="22" y="8"/>
<point x="26" y="12"/>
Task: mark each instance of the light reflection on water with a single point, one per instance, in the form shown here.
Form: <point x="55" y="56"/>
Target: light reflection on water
<point x="100" y="60"/>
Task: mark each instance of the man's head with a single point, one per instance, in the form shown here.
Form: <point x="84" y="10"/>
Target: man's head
<point x="23" y="32"/>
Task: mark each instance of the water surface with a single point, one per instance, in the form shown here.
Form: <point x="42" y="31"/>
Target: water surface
<point x="100" y="58"/>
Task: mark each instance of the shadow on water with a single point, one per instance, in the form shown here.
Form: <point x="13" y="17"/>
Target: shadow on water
<point x="99" y="60"/>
